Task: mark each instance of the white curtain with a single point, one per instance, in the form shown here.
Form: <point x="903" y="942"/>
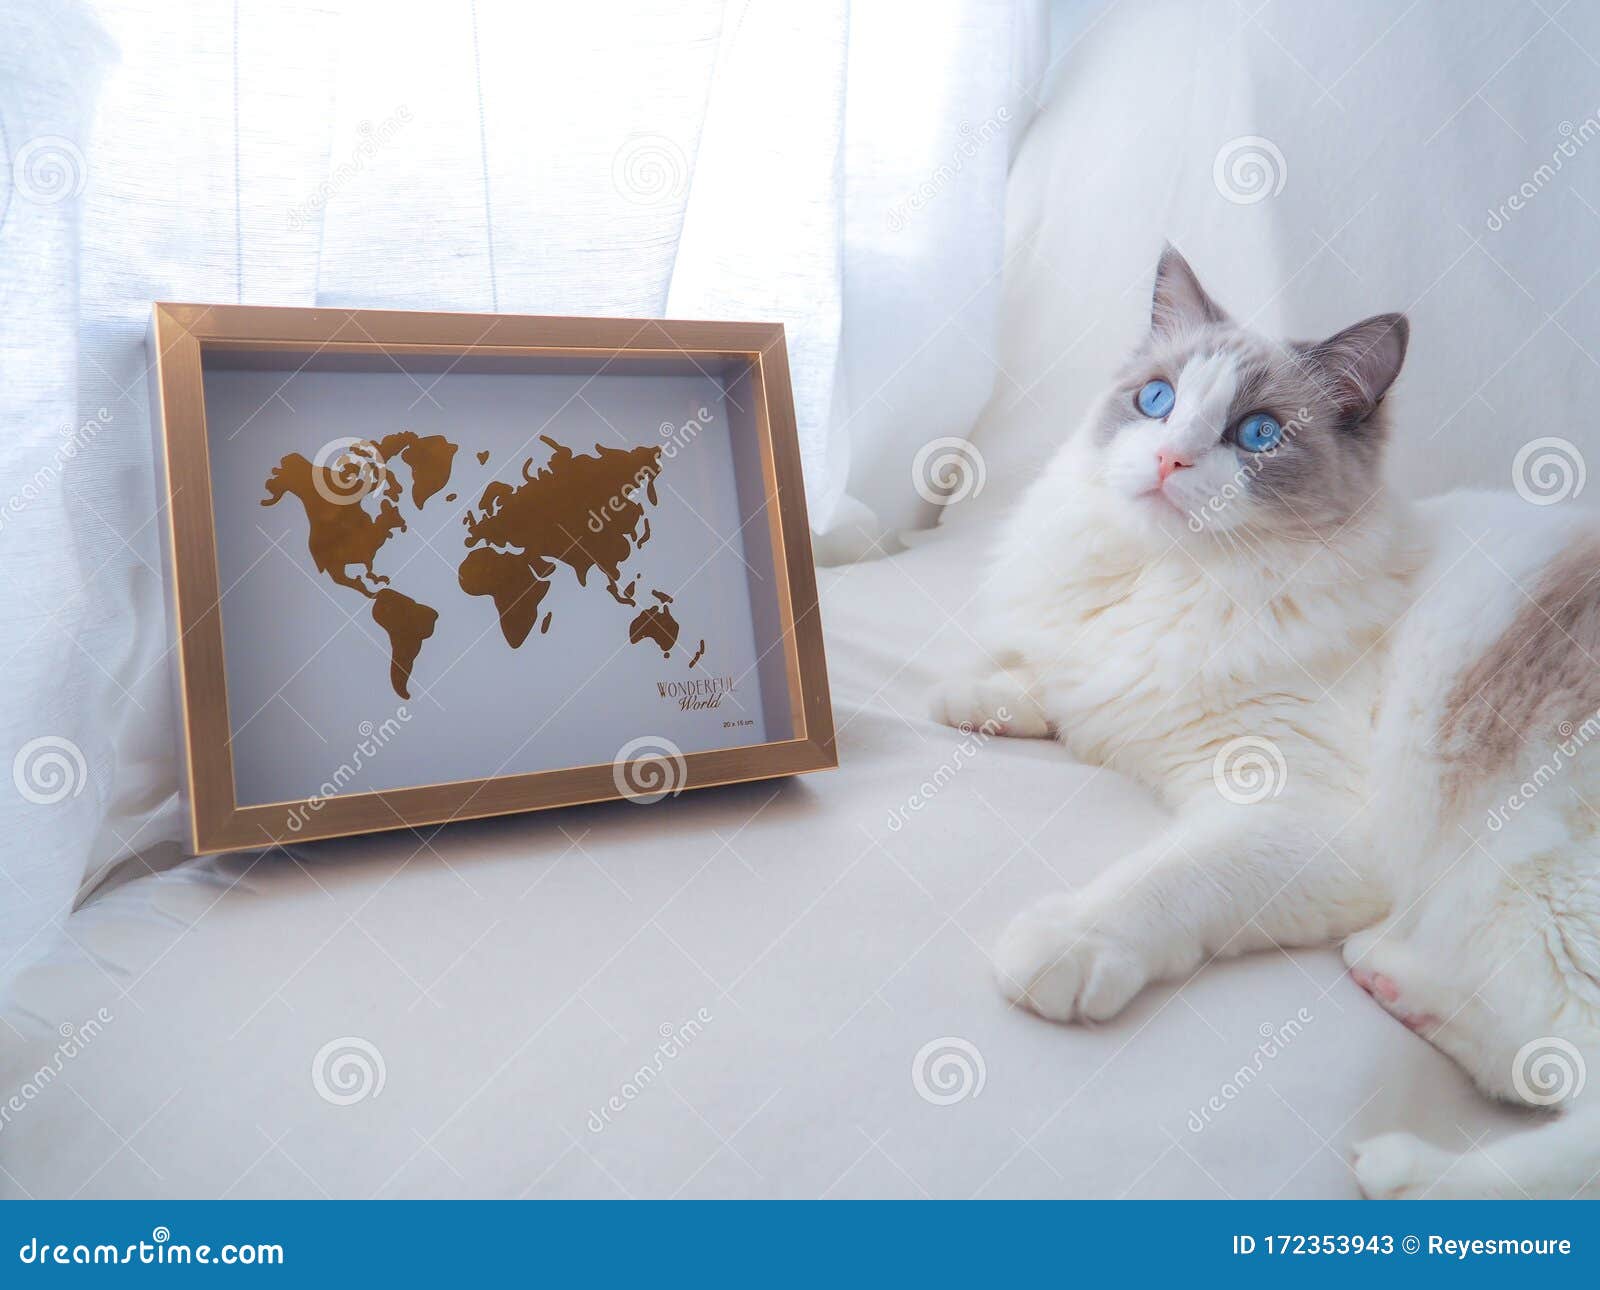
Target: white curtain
<point x="55" y="608"/>
<point x="838" y="167"/>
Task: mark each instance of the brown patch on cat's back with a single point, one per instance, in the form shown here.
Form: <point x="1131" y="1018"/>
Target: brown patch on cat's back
<point x="1540" y="673"/>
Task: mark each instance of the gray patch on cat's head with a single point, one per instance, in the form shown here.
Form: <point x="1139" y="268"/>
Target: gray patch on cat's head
<point x="1328" y="396"/>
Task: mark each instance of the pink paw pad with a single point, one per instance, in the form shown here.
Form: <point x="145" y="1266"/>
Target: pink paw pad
<point x="1376" y="984"/>
<point x="1387" y="992"/>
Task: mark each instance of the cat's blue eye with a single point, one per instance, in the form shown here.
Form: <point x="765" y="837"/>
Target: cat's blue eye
<point x="1155" y="399"/>
<point x="1258" y="432"/>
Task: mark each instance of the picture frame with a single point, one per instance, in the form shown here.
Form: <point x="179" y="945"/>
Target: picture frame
<point x="296" y="447"/>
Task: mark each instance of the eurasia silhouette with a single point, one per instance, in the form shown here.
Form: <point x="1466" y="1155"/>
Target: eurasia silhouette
<point x="584" y="511"/>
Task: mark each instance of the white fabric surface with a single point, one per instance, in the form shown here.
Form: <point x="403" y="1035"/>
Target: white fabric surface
<point x="1399" y="131"/>
<point x="52" y="632"/>
<point x="514" y="975"/>
<point x="721" y="158"/>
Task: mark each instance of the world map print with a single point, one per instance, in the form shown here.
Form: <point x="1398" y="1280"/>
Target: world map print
<point x="582" y="511"/>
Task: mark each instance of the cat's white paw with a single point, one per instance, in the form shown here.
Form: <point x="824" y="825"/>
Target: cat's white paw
<point x="1400" y="1166"/>
<point x="997" y="704"/>
<point x="1391" y="972"/>
<point x="1057" y="960"/>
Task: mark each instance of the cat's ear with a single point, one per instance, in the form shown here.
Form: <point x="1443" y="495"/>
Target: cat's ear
<point x="1358" y="365"/>
<point x="1179" y="301"/>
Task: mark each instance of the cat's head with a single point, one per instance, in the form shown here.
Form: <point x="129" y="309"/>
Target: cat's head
<point x="1211" y="428"/>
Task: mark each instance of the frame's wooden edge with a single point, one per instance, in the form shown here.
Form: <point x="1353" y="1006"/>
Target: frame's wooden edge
<point x="157" y="327"/>
<point x="215" y="324"/>
<point x="176" y="354"/>
<point x="180" y="331"/>
<point x="796" y="523"/>
<point x="247" y="827"/>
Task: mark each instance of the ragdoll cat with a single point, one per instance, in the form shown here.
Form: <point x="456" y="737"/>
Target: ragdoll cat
<point x="1366" y="717"/>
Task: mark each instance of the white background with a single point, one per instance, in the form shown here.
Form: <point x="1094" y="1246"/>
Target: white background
<point x="304" y="674"/>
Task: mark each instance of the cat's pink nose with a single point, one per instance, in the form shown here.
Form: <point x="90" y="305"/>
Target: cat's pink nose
<point x="1169" y="463"/>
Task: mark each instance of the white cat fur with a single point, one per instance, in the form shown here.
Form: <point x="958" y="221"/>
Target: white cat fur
<point x="1150" y="635"/>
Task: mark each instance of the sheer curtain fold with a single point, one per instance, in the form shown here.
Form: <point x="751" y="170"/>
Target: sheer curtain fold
<point x="711" y="158"/>
<point x="51" y="625"/>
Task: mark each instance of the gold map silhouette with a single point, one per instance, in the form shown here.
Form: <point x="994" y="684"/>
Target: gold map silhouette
<point x="579" y="510"/>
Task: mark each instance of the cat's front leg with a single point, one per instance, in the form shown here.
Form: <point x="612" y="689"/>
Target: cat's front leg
<point x="1558" y="1160"/>
<point x="1000" y="702"/>
<point x="1069" y="959"/>
<point x="1220" y="882"/>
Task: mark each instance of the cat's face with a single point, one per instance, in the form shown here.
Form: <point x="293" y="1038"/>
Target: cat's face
<point x="1210" y="428"/>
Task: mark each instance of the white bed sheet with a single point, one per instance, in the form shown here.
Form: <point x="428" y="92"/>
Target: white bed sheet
<point x="516" y="974"/>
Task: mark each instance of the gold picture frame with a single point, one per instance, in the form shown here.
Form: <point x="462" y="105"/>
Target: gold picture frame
<point x="751" y="358"/>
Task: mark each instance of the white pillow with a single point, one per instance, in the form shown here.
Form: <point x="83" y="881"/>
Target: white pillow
<point x="1314" y="174"/>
